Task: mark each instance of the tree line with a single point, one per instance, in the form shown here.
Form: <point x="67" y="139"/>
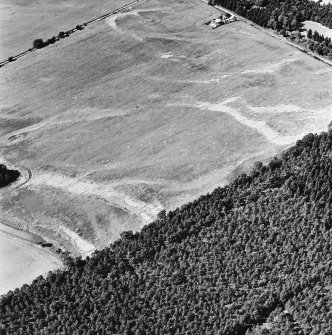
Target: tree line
<point x="280" y="14"/>
<point x="39" y="43"/>
<point x="286" y="16"/>
<point x="250" y="258"/>
<point x="319" y="43"/>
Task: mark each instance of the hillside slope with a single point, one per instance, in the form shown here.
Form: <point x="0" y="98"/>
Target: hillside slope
<point x="253" y="257"/>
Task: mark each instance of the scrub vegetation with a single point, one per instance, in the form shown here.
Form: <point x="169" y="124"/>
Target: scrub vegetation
<point x="7" y="176"/>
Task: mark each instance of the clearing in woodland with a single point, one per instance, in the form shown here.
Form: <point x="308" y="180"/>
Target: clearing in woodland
<point x="143" y="111"/>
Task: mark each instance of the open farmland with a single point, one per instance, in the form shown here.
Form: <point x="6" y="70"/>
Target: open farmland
<point x="21" y="260"/>
<point x="144" y="111"/>
<point x="24" y="21"/>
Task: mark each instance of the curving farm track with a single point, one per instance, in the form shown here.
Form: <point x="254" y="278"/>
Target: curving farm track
<point x="103" y="17"/>
<point x="27" y="179"/>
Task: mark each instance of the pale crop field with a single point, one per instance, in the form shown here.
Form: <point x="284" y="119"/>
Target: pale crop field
<point x="23" y="21"/>
<point x="21" y="261"/>
<point x="145" y="111"/>
<point x="324" y="1"/>
<point x="327" y="32"/>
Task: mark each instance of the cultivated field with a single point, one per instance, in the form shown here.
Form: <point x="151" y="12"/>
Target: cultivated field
<point x="23" y="21"/>
<point x="21" y="260"/>
<point x="147" y="110"/>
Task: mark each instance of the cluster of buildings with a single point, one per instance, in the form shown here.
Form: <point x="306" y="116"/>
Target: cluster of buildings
<point x="219" y="21"/>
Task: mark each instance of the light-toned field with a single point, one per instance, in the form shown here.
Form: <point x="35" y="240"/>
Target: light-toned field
<point x="21" y="260"/>
<point x="324" y="1"/>
<point x="148" y="110"/>
<point x="23" y="21"/>
<point x="327" y="32"/>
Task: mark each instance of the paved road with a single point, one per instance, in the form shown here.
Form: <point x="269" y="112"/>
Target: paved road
<point x="274" y="35"/>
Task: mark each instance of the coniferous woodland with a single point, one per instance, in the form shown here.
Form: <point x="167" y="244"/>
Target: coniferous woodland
<point x="7" y="176"/>
<point x="287" y="16"/>
<point x="253" y="258"/>
<point x="318" y="43"/>
<point x="280" y="14"/>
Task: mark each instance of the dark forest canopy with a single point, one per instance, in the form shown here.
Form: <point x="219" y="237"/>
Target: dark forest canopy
<point x="281" y="14"/>
<point x="252" y="258"/>
<point x="286" y="17"/>
<point x="7" y="176"/>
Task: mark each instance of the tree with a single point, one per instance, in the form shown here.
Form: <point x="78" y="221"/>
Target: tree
<point x="161" y="215"/>
<point x="260" y="3"/>
<point x="285" y="22"/>
<point x="309" y="34"/>
<point x="38" y="43"/>
<point x="283" y="32"/>
<point x="294" y="24"/>
<point x="329" y="127"/>
<point x="319" y="49"/>
<point x="7" y="176"/>
<point x="272" y="23"/>
<point x="316" y="36"/>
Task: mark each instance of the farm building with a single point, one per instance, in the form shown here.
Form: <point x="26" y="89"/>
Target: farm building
<point x="222" y="19"/>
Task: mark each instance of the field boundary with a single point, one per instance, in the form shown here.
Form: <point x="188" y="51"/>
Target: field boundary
<point x="272" y="34"/>
<point x="99" y="18"/>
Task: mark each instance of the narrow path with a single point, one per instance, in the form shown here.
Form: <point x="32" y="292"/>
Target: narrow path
<point x="106" y="191"/>
<point x="27" y="179"/>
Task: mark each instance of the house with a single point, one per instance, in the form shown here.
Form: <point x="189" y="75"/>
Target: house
<point x="216" y="22"/>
